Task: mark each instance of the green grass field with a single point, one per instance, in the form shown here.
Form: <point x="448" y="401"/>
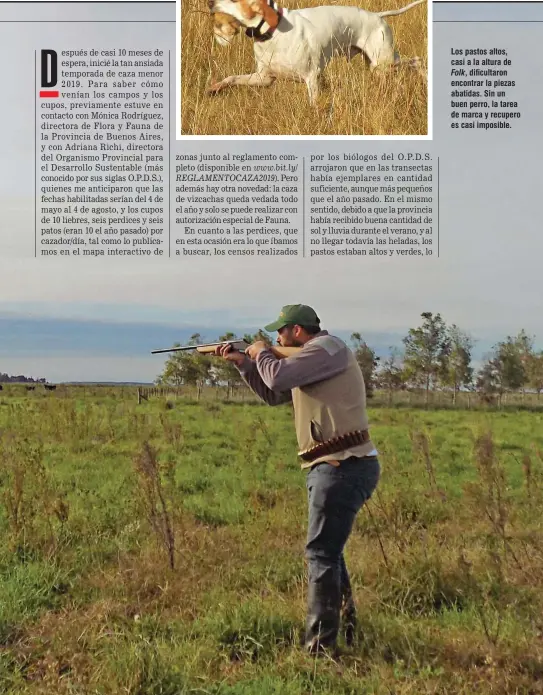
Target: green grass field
<point x="101" y="496"/>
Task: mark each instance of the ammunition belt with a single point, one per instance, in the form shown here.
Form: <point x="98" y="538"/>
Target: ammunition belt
<point x="333" y="446"/>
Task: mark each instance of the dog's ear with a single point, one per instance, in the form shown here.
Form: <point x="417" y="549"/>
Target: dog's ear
<point x="261" y="7"/>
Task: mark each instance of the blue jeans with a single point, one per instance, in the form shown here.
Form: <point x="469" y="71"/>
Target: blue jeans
<point x="335" y="496"/>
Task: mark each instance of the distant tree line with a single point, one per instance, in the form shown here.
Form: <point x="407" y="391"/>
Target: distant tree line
<point x="20" y="379"/>
<point x="192" y="368"/>
<point x="435" y="357"/>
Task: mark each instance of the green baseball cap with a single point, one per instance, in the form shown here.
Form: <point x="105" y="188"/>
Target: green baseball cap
<point x="294" y="314"/>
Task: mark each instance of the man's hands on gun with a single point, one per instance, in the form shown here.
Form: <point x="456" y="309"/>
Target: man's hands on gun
<point x="231" y="355"/>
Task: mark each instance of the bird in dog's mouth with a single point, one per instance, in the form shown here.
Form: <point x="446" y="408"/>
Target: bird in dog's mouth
<point x="225" y="27"/>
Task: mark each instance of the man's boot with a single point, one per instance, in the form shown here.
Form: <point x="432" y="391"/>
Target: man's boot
<point x="348" y="619"/>
<point x="348" y="608"/>
<point x="323" y="613"/>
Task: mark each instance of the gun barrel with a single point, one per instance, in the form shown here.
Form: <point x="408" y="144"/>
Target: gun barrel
<point x="172" y="349"/>
<point x="239" y="345"/>
<point x="205" y="347"/>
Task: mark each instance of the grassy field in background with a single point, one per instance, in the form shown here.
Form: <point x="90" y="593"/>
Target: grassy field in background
<point x="101" y="496"/>
<point x="353" y="103"/>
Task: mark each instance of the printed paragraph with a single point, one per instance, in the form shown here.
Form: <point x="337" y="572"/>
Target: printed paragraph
<point x="238" y="205"/>
<point x="371" y="205"/>
<point x="102" y="155"/>
<point x="482" y="89"/>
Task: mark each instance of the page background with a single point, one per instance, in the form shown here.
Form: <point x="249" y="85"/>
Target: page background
<point x="486" y="279"/>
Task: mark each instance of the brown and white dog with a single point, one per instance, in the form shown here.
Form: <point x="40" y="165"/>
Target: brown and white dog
<point x="298" y="44"/>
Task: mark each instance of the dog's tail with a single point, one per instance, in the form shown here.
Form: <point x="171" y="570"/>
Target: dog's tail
<point x="391" y="13"/>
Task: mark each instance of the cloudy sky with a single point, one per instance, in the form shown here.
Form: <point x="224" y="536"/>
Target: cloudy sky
<point x="98" y="319"/>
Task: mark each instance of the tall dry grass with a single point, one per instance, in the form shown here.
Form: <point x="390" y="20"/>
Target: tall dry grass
<point x="354" y="102"/>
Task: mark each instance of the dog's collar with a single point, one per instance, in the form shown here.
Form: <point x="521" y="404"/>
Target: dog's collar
<point x="257" y="34"/>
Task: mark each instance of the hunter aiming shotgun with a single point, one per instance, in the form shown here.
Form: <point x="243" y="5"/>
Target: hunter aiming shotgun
<point x="237" y="345"/>
<point x="325" y="386"/>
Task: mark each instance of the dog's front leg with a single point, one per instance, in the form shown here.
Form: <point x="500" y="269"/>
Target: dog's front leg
<point x="255" y="79"/>
<point x="312" y="82"/>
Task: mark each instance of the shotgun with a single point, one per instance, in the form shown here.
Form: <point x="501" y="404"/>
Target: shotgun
<point x="239" y="345"/>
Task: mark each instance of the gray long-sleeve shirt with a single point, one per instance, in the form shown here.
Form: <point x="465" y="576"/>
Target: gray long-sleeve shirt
<point x="272" y="379"/>
<point x="337" y="408"/>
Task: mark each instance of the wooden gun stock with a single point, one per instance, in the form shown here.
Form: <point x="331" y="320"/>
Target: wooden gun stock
<point x="277" y="350"/>
<point x="281" y="352"/>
